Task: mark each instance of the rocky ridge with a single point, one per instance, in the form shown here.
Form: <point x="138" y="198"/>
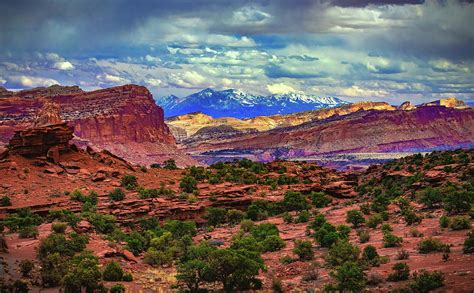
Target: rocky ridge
<point x="122" y="119"/>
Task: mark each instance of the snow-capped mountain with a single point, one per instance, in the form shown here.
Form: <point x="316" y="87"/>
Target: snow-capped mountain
<point x="235" y="103"/>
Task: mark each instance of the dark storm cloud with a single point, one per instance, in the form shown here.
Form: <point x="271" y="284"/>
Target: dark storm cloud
<point x="363" y="3"/>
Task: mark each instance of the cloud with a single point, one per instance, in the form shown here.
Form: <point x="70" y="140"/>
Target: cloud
<point x="280" y="88"/>
<point x="443" y="65"/>
<point x="109" y="78"/>
<point x="29" y="81"/>
<point x="63" y="65"/>
<point x="355" y="91"/>
<point x="189" y="79"/>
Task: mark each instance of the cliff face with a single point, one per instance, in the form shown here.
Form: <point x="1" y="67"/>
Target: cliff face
<point x="421" y="129"/>
<point x="123" y="119"/>
<point x="191" y="123"/>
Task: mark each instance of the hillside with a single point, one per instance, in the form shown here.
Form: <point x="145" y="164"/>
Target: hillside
<point x="307" y="225"/>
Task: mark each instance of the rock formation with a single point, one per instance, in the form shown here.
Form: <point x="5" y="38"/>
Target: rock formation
<point x="124" y="120"/>
<point x="407" y="106"/>
<point x="47" y="136"/>
<point x="422" y="129"/>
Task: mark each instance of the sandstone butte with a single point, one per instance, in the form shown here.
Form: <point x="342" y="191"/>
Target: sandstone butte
<point x="123" y="120"/>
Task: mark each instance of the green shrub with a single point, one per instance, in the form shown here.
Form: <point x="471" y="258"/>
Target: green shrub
<point x="355" y="217"/>
<point x="58" y="243"/>
<point x="468" y="246"/>
<point x="431" y="197"/>
<point x="350" y="277"/>
<point x="343" y="231"/>
<point x="59" y="227"/>
<point x="129" y="182"/>
<point x="53" y="269"/>
<point x="294" y="201"/>
<point x="319" y="199"/>
<point x="117" y="194"/>
<point x="411" y="217"/>
<point x="371" y="256"/>
<point x="127" y="277"/>
<point x="5" y="201"/>
<point x="390" y="240"/>
<point x="20" y="286"/>
<point x="460" y="223"/>
<point x="262" y="231"/>
<point x="401" y="272"/>
<point x="402" y="254"/>
<point x="28" y="232"/>
<point x="431" y="244"/>
<point x="188" y="184"/>
<point x="23" y="218"/>
<point x="386" y="228"/>
<point x="272" y="243"/>
<point x="444" y="221"/>
<point x="246" y="225"/>
<point x="136" y="243"/>
<point x="117" y="288"/>
<point x="425" y="281"/>
<point x="303" y="217"/>
<point x="170" y="164"/>
<point x="458" y="201"/>
<point x="364" y="236"/>
<point x="26" y="266"/>
<point x="374" y="220"/>
<point x="113" y="272"/>
<point x="157" y="258"/>
<point x="215" y="216"/>
<point x="342" y="251"/>
<point x="235" y="216"/>
<point x="287" y="218"/>
<point x="303" y="249"/>
<point x="258" y="210"/>
<point x="83" y="273"/>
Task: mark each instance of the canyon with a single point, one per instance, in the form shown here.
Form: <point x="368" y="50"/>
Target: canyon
<point x="364" y="127"/>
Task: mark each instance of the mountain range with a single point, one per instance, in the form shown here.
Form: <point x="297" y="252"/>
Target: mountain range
<point x="238" y="104"/>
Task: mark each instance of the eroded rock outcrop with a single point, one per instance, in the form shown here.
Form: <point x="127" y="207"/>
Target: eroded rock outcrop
<point x="47" y="136"/>
<point x="124" y="120"/>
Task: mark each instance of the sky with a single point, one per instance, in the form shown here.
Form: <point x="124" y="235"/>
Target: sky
<point x="380" y="50"/>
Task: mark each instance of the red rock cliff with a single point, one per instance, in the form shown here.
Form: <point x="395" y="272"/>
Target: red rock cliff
<point x="123" y="119"/>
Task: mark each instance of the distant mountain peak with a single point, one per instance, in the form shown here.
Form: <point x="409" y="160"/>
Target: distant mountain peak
<point x="239" y="104"/>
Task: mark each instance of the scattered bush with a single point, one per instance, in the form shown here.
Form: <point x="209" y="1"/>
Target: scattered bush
<point x="355" y="217"/>
<point x="113" y="272"/>
<point x="350" y="277"/>
<point x="59" y="227"/>
<point x="401" y="272"/>
<point x="215" y="216"/>
<point x="371" y="256"/>
<point x="303" y="217"/>
<point x="431" y="197"/>
<point x="460" y="223"/>
<point x="170" y="164"/>
<point x="83" y="273"/>
<point x="117" y="194"/>
<point x="415" y="233"/>
<point x="28" y="232"/>
<point x="431" y="244"/>
<point x="246" y="225"/>
<point x="374" y="220"/>
<point x="26" y="266"/>
<point x="188" y="184"/>
<point x="235" y="216"/>
<point x="444" y="221"/>
<point x="287" y="218"/>
<point x="129" y="182"/>
<point x="319" y="199"/>
<point x="425" y="281"/>
<point x="304" y="249"/>
<point x="390" y="240"/>
<point x="117" y="288"/>
<point x="341" y="252"/>
<point x="364" y="236"/>
<point x="272" y="243"/>
<point x="468" y="246"/>
<point x="402" y="254"/>
<point x="5" y="201"/>
<point x="294" y="201"/>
